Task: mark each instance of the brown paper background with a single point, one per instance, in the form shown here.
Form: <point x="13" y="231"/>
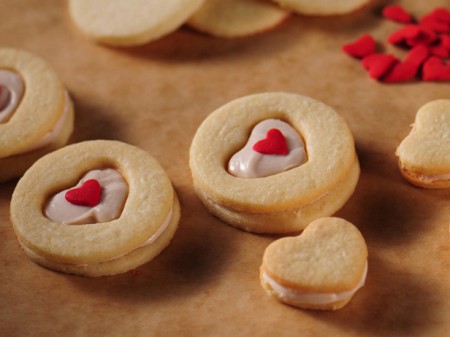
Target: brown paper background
<point x="206" y="282"/>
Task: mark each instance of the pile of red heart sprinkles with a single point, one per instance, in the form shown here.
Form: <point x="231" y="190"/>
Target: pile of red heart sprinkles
<point x="428" y="42"/>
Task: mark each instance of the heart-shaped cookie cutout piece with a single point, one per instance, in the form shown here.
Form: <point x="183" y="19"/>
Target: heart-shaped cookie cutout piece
<point x="424" y="154"/>
<point x="320" y="269"/>
<point x="274" y="144"/>
<point x="88" y="194"/>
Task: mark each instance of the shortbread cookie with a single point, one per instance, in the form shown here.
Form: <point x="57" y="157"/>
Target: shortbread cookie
<point x="273" y="162"/>
<point x="424" y="155"/>
<point x="322" y="7"/>
<point x="236" y="18"/>
<point x="130" y="22"/>
<point x="95" y="208"/>
<point x="320" y="269"/>
<point x="36" y="113"/>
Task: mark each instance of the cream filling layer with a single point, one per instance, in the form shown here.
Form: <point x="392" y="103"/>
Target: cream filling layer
<point x="301" y="298"/>
<point x="11" y="93"/>
<point x="436" y="177"/>
<point x="247" y="163"/>
<point x="113" y="196"/>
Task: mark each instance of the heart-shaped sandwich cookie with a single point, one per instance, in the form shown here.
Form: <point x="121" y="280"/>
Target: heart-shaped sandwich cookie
<point x="236" y="18"/>
<point x="273" y="162"/>
<point x="130" y="22"/>
<point x="320" y="269"/>
<point x="95" y="208"/>
<point x="322" y="7"/>
<point x="36" y="113"/>
<point x="424" y="155"/>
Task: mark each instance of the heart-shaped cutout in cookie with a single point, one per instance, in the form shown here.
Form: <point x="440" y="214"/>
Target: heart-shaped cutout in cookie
<point x="274" y="144"/>
<point x="88" y="194"/>
<point x="320" y="269"/>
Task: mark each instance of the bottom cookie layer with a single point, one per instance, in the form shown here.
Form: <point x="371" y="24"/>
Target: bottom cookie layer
<point x="421" y="180"/>
<point x="121" y="264"/>
<point x="290" y="221"/>
<point x="320" y="301"/>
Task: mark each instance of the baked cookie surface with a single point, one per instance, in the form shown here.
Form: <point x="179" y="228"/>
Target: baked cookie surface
<point x="322" y="7"/>
<point x="36" y="115"/>
<point x="130" y="22"/>
<point x="320" y="269"/>
<point x="235" y="18"/>
<point x="424" y="155"/>
<point x="280" y="202"/>
<point x="144" y="227"/>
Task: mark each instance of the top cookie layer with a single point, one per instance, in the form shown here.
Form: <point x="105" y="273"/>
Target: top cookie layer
<point x="130" y="22"/>
<point x="426" y="149"/>
<point x="234" y="18"/>
<point x="329" y="147"/>
<point x="329" y="256"/>
<point x="148" y="204"/>
<point x="40" y="107"/>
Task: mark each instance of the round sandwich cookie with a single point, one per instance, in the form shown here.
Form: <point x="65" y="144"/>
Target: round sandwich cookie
<point x="237" y="18"/>
<point x="322" y="7"/>
<point x="95" y="208"/>
<point x="273" y="162"/>
<point x="36" y="113"/>
<point x="130" y="22"/>
<point x="320" y="269"/>
<point x="424" y="155"/>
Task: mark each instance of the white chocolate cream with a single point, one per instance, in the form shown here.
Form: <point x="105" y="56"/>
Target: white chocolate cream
<point x="11" y="91"/>
<point x="436" y="177"/>
<point x="247" y="163"/>
<point x="302" y="298"/>
<point x="113" y="196"/>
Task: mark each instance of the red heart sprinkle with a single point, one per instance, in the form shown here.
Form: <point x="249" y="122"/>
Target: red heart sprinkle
<point x="87" y="195"/>
<point x="431" y="22"/>
<point x="401" y="35"/>
<point x="418" y="55"/>
<point x="400" y="72"/>
<point x="441" y="14"/>
<point x="434" y="69"/>
<point x="274" y="143"/>
<point x="426" y="36"/>
<point x="360" y="48"/>
<point x="439" y="51"/>
<point x="445" y="41"/>
<point x="378" y="64"/>
<point x="397" y="13"/>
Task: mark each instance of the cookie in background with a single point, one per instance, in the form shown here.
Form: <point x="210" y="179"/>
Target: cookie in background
<point x="36" y="113"/>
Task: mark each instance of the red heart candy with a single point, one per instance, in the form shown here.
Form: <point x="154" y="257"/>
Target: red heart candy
<point x="438" y="20"/>
<point x="445" y="41"/>
<point x="434" y="24"/>
<point x="439" y="51"/>
<point x="434" y="69"/>
<point x="426" y="36"/>
<point x="378" y="64"/>
<point x="87" y="195"/>
<point x="274" y="143"/>
<point x="360" y="48"/>
<point x="418" y="55"/>
<point x="397" y="13"/>
<point x="441" y="14"/>
<point x="407" y="32"/>
<point x="400" y="72"/>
